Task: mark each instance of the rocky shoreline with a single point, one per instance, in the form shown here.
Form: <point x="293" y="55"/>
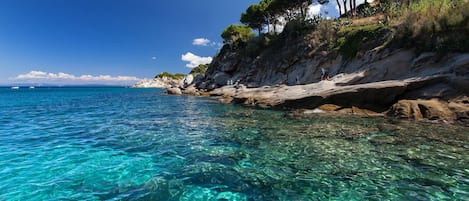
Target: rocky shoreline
<point x="437" y="92"/>
<point x="371" y="99"/>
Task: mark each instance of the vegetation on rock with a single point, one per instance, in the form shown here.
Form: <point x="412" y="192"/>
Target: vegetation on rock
<point x="177" y="76"/>
<point x="200" y="69"/>
<point x="236" y="33"/>
<point x="352" y="39"/>
<point x="425" y="25"/>
<point x="431" y="25"/>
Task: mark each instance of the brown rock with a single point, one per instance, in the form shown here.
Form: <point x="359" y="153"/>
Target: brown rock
<point x="358" y="111"/>
<point x="329" y="107"/>
<point x="226" y="99"/>
<point x="460" y="107"/>
<point x="433" y="109"/>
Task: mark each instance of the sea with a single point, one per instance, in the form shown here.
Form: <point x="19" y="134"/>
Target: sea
<point x="72" y="143"/>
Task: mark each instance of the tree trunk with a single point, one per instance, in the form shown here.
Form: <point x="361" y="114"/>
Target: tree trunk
<point x="340" y="8"/>
<point x="354" y="7"/>
<point x="275" y="27"/>
<point x="351" y="7"/>
<point x="345" y="7"/>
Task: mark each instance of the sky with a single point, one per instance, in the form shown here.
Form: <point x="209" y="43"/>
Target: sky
<point x="110" y="41"/>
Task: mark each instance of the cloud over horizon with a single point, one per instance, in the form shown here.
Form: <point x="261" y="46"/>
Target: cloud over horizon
<point x="41" y="76"/>
<point x="195" y="60"/>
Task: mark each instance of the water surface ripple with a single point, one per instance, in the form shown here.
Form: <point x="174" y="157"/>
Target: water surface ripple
<point x="139" y="144"/>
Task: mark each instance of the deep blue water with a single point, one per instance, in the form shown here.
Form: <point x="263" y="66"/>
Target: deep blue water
<point x="140" y="144"/>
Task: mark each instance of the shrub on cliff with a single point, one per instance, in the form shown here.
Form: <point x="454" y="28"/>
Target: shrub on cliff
<point x="177" y="76"/>
<point x="432" y="25"/>
<point x="235" y="34"/>
<point x="200" y="69"/>
<point x="353" y="39"/>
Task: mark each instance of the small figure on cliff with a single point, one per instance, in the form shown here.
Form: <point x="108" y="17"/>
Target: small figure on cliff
<point x="325" y="74"/>
<point x="297" y="81"/>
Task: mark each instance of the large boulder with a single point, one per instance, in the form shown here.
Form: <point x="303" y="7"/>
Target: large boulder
<point x="433" y="109"/>
<point x="460" y="106"/>
<point x="174" y="91"/>
<point x="190" y="90"/>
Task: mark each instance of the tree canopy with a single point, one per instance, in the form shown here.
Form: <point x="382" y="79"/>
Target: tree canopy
<point x="237" y="32"/>
<point x="254" y="17"/>
<point x="267" y="13"/>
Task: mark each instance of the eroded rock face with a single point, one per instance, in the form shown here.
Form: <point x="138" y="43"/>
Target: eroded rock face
<point x="460" y="107"/>
<point x="433" y="109"/>
<point x="368" y="99"/>
<point x="455" y="110"/>
<point x="221" y="78"/>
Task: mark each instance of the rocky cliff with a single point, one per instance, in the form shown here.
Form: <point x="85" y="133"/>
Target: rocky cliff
<point x="378" y="76"/>
<point x="163" y="82"/>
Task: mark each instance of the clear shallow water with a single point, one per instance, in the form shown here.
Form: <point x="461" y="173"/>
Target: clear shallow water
<point x="138" y="144"/>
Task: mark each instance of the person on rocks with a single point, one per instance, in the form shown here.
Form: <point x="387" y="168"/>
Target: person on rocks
<point x="325" y="74"/>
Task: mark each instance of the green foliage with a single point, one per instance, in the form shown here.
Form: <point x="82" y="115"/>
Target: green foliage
<point x="298" y="27"/>
<point x="351" y="39"/>
<point x="255" y="46"/>
<point x="291" y="9"/>
<point x="177" y="76"/>
<point x="432" y="25"/>
<point x="365" y="10"/>
<point x="235" y="33"/>
<point x="254" y="17"/>
<point x="267" y="12"/>
<point x="199" y="69"/>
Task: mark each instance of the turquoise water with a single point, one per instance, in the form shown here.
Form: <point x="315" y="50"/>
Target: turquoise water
<point x="139" y="144"/>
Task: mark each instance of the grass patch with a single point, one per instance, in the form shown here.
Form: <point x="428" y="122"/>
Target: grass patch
<point x="432" y="25"/>
<point x="354" y="38"/>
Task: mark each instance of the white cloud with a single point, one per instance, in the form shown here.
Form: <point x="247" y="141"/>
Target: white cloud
<point x="41" y="76"/>
<point x="195" y="60"/>
<point x="201" y="42"/>
<point x="206" y="42"/>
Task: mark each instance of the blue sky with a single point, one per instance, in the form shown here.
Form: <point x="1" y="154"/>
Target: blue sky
<point x="95" y="41"/>
<point x="138" y="38"/>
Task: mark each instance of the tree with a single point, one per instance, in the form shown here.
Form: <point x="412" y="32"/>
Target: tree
<point x="236" y="32"/>
<point x="254" y="17"/>
<point x="268" y="12"/>
<point x="345" y="6"/>
<point x="340" y="9"/>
